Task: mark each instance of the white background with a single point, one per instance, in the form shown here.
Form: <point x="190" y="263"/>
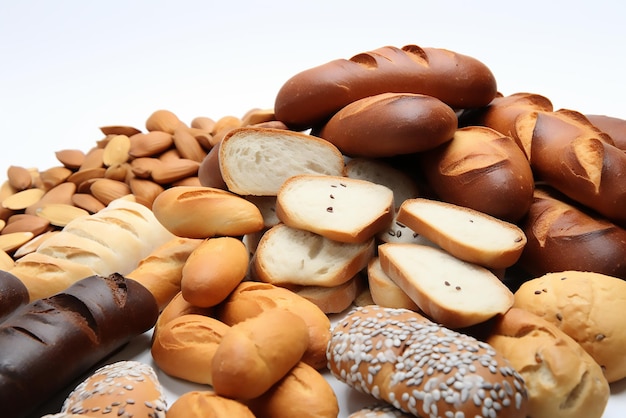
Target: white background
<point x="69" y="67"/>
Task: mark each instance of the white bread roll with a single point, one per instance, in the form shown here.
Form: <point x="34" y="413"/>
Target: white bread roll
<point x="338" y="208"/>
<point x="589" y="307"/>
<point x="450" y="291"/>
<point x="420" y="367"/>
<point x="562" y="380"/>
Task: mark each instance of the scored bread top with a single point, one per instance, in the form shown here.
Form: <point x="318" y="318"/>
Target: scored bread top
<point x="466" y="233"/>
<point x="336" y="207"/>
<point x="257" y="161"/>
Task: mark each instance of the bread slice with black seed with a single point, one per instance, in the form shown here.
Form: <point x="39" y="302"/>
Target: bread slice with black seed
<point x="465" y="233"/>
<point x="338" y="208"/>
<point x="450" y="291"/>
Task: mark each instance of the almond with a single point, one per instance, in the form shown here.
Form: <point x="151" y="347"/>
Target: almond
<point x="58" y="194"/>
<point x="174" y="170"/>
<point x="107" y="190"/>
<point x="54" y="176"/>
<point x="187" y="144"/>
<point x="6" y="261"/>
<point x="226" y="122"/>
<point x="119" y="172"/>
<point x="203" y="137"/>
<point x="83" y="175"/>
<point x="204" y="123"/>
<point x="116" y="151"/>
<point x="59" y="214"/>
<point x="10" y="242"/>
<point x="93" y="159"/>
<point x="26" y="223"/>
<point x="163" y="120"/>
<point x="71" y="158"/>
<point x="145" y="191"/>
<point x="142" y="167"/>
<point x="88" y="202"/>
<point x="150" y="144"/>
<point x="19" y="177"/>
<point x="188" y="181"/>
<point x="23" y="199"/>
<point x="255" y="116"/>
<point x="119" y="130"/>
<point x="170" y="155"/>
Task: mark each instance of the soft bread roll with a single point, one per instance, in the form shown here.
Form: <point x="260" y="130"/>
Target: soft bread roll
<point x="203" y="212"/>
<point x="257" y="161"/>
<point x="13" y="294"/>
<point x="311" y="97"/>
<point x="390" y="124"/>
<point x="562" y="235"/>
<point x="420" y="367"/>
<point x="184" y="346"/>
<point x="562" y="380"/>
<point x="213" y="270"/>
<point x="161" y="271"/>
<point x="250" y="299"/>
<point x="50" y="342"/>
<point x="207" y="404"/>
<point x="385" y="292"/>
<point x="288" y="256"/>
<point x="256" y="353"/>
<point x="336" y="207"/>
<point x="481" y="169"/>
<point x="124" y="388"/>
<point x="178" y="306"/>
<point x="450" y="291"/>
<point x="589" y="307"/>
<point x="302" y="393"/>
<point x="467" y="234"/>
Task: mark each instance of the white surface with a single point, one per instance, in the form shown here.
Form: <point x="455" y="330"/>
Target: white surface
<point x="68" y="67"/>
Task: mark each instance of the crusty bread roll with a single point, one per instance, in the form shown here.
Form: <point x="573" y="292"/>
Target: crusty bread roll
<point x="450" y="291"/>
<point x="213" y="270"/>
<point x="589" y="307"/>
<point x="481" y="169"/>
<point x="562" y="380"/>
<point x="250" y="299"/>
<point x="203" y="212"/>
<point x="422" y="368"/>
<point x="184" y="346"/>
<point x="562" y="235"/>
<point x="206" y="404"/>
<point x="311" y="97"/>
<point x="389" y="124"/>
<point x="257" y="161"/>
<point x="50" y="342"/>
<point x="385" y="292"/>
<point x="613" y="126"/>
<point x="288" y="256"/>
<point x="467" y="234"/>
<point x="336" y="207"/>
<point x="256" y="353"/>
<point x="302" y="393"/>
<point x="161" y="271"/>
<point x="13" y="294"/>
<point x="122" y="389"/>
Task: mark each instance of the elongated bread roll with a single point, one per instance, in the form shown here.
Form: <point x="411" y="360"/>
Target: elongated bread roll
<point x="13" y="294"/>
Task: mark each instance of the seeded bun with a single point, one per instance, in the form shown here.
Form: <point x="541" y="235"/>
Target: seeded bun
<point x="398" y="356"/>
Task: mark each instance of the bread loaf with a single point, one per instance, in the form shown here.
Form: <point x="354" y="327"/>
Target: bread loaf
<point x="588" y="307"/>
<point x="612" y="126"/>
<point x="312" y="96"/>
<point x="205" y="404"/>
<point x="250" y="299"/>
<point x="562" y="235"/>
<point x="47" y="344"/>
<point x="256" y="353"/>
<point x="336" y="207"/>
<point x="452" y="292"/>
<point x="422" y="368"/>
<point x="389" y="124"/>
<point x="257" y="161"/>
<point x="562" y="380"/>
<point x="467" y="234"/>
<point x="13" y="294"/>
<point x="481" y="169"/>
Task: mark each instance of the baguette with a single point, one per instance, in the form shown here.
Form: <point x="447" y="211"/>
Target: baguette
<point x="389" y="124"/>
<point x="13" y="294"/>
<point x="612" y="126"/>
<point x="311" y="97"/>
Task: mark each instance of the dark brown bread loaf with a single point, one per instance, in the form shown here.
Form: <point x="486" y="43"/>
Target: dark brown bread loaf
<point x="613" y="126"/>
<point x="47" y="344"/>
<point x="13" y="294"/>
<point x="312" y="96"/>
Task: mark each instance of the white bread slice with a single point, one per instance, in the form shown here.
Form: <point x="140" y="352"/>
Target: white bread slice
<point x="336" y="207"/>
<point x="385" y="292"/>
<point x="450" y="291"/>
<point x="257" y="161"/>
<point x="291" y="257"/>
<point x="465" y="233"/>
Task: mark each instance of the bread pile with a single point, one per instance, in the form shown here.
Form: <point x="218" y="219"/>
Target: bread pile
<point x="374" y="181"/>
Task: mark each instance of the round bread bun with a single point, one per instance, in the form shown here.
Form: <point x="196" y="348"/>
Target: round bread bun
<point x="206" y="404"/>
<point x="121" y="389"/>
<point x="589" y="307"/>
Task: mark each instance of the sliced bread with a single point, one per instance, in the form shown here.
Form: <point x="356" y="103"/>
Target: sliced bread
<point x="291" y="257"/>
<point x="465" y="233"/>
<point x="336" y="207"/>
<point x="450" y="291"/>
<point x="385" y="292"/>
<point x="257" y="161"/>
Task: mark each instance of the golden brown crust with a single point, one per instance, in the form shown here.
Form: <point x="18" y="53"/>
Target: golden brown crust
<point x="207" y="404"/>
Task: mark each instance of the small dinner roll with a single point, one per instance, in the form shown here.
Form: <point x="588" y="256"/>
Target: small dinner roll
<point x="207" y="404"/>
